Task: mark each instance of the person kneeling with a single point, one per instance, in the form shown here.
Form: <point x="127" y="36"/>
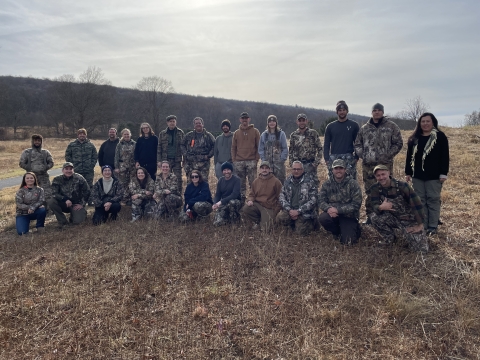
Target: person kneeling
<point x="141" y="189"/>
<point x="167" y="193"/>
<point x="29" y="200"/>
<point x="70" y="193"/>
<point x="106" y="196"/>
<point x="227" y="198"/>
<point x="198" y="198"/>
<point x="340" y="198"/>
<point x="262" y="204"/>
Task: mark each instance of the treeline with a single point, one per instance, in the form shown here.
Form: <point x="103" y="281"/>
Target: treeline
<point x="64" y="104"/>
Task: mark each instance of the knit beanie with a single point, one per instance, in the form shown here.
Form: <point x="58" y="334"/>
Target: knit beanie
<point x="227" y="165"/>
<point x="226" y="122"/>
<point x="341" y="105"/>
<point x="378" y="106"/>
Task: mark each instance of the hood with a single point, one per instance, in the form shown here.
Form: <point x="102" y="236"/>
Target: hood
<point x="250" y="126"/>
<point x="34" y="137"/>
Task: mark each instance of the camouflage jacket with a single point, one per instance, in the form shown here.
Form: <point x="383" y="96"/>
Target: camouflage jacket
<point x="162" y="150"/>
<point x="305" y="147"/>
<point x="37" y="160"/>
<point x="308" y="196"/>
<point x="83" y="156"/>
<point x="125" y="155"/>
<point x="377" y="194"/>
<point x="170" y="183"/>
<point x="74" y="188"/>
<point x="345" y="196"/>
<point x="378" y="145"/>
<point x="200" y="151"/>
<point x="29" y="199"/>
<point x="98" y="196"/>
<point x="135" y="189"/>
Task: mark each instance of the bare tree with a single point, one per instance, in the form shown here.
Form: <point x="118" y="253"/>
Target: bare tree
<point x="155" y="94"/>
<point x="473" y="118"/>
<point x="86" y="102"/>
<point x="413" y="109"/>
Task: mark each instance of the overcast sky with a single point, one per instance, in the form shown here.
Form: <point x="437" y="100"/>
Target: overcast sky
<point x="311" y="53"/>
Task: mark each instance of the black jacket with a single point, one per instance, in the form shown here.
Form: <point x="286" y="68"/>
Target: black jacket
<point x="146" y="150"/>
<point x="106" y="154"/>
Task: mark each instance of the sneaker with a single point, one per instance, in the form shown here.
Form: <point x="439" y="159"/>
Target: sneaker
<point x="431" y="231"/>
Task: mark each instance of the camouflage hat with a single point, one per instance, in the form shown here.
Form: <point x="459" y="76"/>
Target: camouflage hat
<point x="244" y="115"/>
<point x="265" y="163"/>
<point x="226" y="122"/>
<point x="378" y="106"/>
<point x="171" y="117"/>
<point x="272" y="118"/>
<point x="338" y="163"/>
<point x="67" y="164"/>
<point x="380" y="167"/>
<point x="301" y="116"/>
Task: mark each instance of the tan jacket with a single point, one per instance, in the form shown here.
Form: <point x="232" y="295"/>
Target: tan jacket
<point x="245" y="144"/>
<point x="266" y="191"/>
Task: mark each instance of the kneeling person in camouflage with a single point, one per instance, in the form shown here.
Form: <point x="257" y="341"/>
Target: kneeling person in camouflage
<point x="70" y="193"/>
<point x="298" y="200"/>
<point x="340" y="198"/>
<point x="227" y="198"/>
<point x="396" y="206"/>
<point x="141" y="189"/>
<point x="167" y="194"/>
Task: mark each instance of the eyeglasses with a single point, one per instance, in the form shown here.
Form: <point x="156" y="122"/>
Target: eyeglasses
<point x="296" y="169"/>
<point x="194" y="177"/>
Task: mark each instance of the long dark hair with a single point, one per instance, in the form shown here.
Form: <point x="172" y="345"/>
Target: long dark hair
<point x="200" y="177"/>
<point x="418" y="129"/>
<point x="145" y="181"/>
<point x="277" y="129"/>
<point x="23" y="180"/>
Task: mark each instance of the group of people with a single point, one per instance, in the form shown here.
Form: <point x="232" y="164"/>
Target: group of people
<point x="129" y="175"/>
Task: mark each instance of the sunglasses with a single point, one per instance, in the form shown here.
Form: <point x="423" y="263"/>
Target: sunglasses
<point x="194" y="177"/>
<point x="296" y="169"/>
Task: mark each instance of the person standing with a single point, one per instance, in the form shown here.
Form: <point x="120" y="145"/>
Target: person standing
<point x="298" y="200"/>
<point x="223" y="148"/>
<point x="227" y="198"/>
<point x="106" y="196"/>
<point x="70" y="193"/>
<point x="29" y="200"/>
<point x="339" y="141"/>
<point x="395" y="205"/>
<point x="306" y="147"/>
<point x="106" y="154"/>
<point x="124" y="161"/>
<point x="377" y="143"/>
<point x="273" y="148"/>
<point x="340" y="198"/>
<point x="146" y="150"/>
<point x="169" y="148"/>
<point x="262" y="203"/>
<point x="83" y="155"/>
<point x="38" y="161"/>
<point x="427" y="163"/>
<point x="245" y="152"/>
<point x="197" y="149"/>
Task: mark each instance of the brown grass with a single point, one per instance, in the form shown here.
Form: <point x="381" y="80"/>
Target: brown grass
<point x="154" y="291"/>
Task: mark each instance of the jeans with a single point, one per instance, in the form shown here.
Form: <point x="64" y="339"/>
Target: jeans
<point x="23" y="221"/>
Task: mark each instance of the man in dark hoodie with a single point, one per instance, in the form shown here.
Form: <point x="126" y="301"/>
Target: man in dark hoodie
<point x="106" y="154"/>
<point x="340" y="198"/>
<point x="38" y="161"/>
<point x="83" y="155"/>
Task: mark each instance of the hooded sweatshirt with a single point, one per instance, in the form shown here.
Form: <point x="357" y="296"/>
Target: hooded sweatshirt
<point x="245" y="144"/>
<point x="265" y="191"/>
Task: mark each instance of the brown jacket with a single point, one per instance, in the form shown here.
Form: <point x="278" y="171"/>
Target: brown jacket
<point x="266" y="191"/>
<point x="245" y="144"/>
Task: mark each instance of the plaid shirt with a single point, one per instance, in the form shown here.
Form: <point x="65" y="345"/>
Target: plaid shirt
<point x="377" y="195"/>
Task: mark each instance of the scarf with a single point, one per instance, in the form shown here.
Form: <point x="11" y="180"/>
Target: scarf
<point x="432" y="140"/>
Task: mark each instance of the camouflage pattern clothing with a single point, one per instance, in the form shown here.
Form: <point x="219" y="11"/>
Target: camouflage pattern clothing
<point x="228" y="213"/>
<point x="306" y="148"/>
<point x="200" y="210"/>
<point x="125" y="163"/>
<point x="408" y="212"/>
<point x="144" y="205"/>
<point x="345" y="196"/>
<point x="29" y="199"/>
<point x="167" y="204"/>
<point x="38" y="161"/>
<point x="302" y="225"/>
<point x="115" y="194"/>
<point x="197" y="150"/>
<point x="272" y="149"/>
<point x="350" y="163"/>
<point x="369" y="180"/>
<point x="164" y="142"/>
<point x="246" y="169"/>
<point x="83" y="156"/>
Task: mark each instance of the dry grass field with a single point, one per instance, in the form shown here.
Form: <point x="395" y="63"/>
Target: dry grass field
<point x="167" y="291"/>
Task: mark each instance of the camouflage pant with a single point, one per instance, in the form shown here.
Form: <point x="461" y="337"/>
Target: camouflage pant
<point x="145" y="207"/>
<point x="124" y="177"/>
<point x="311" y="171"/>
<point x="168" y="205"/>
<point x="302" y="226"/>
<point x="278" y="169"/>
<point x="260" y="214"/>
<point x="59" y="208"/>
<point x="89" y="177"/>
<point x="200" y="209"/>
<point x="246" y="169"/>
<point x="227" y="213"/>
<point x="45" y="184"/>
<point x="203" y="167"/>
<point x="369" y="180"/>
<point x="176" y="168"/>
<point x="350" y="163"/>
